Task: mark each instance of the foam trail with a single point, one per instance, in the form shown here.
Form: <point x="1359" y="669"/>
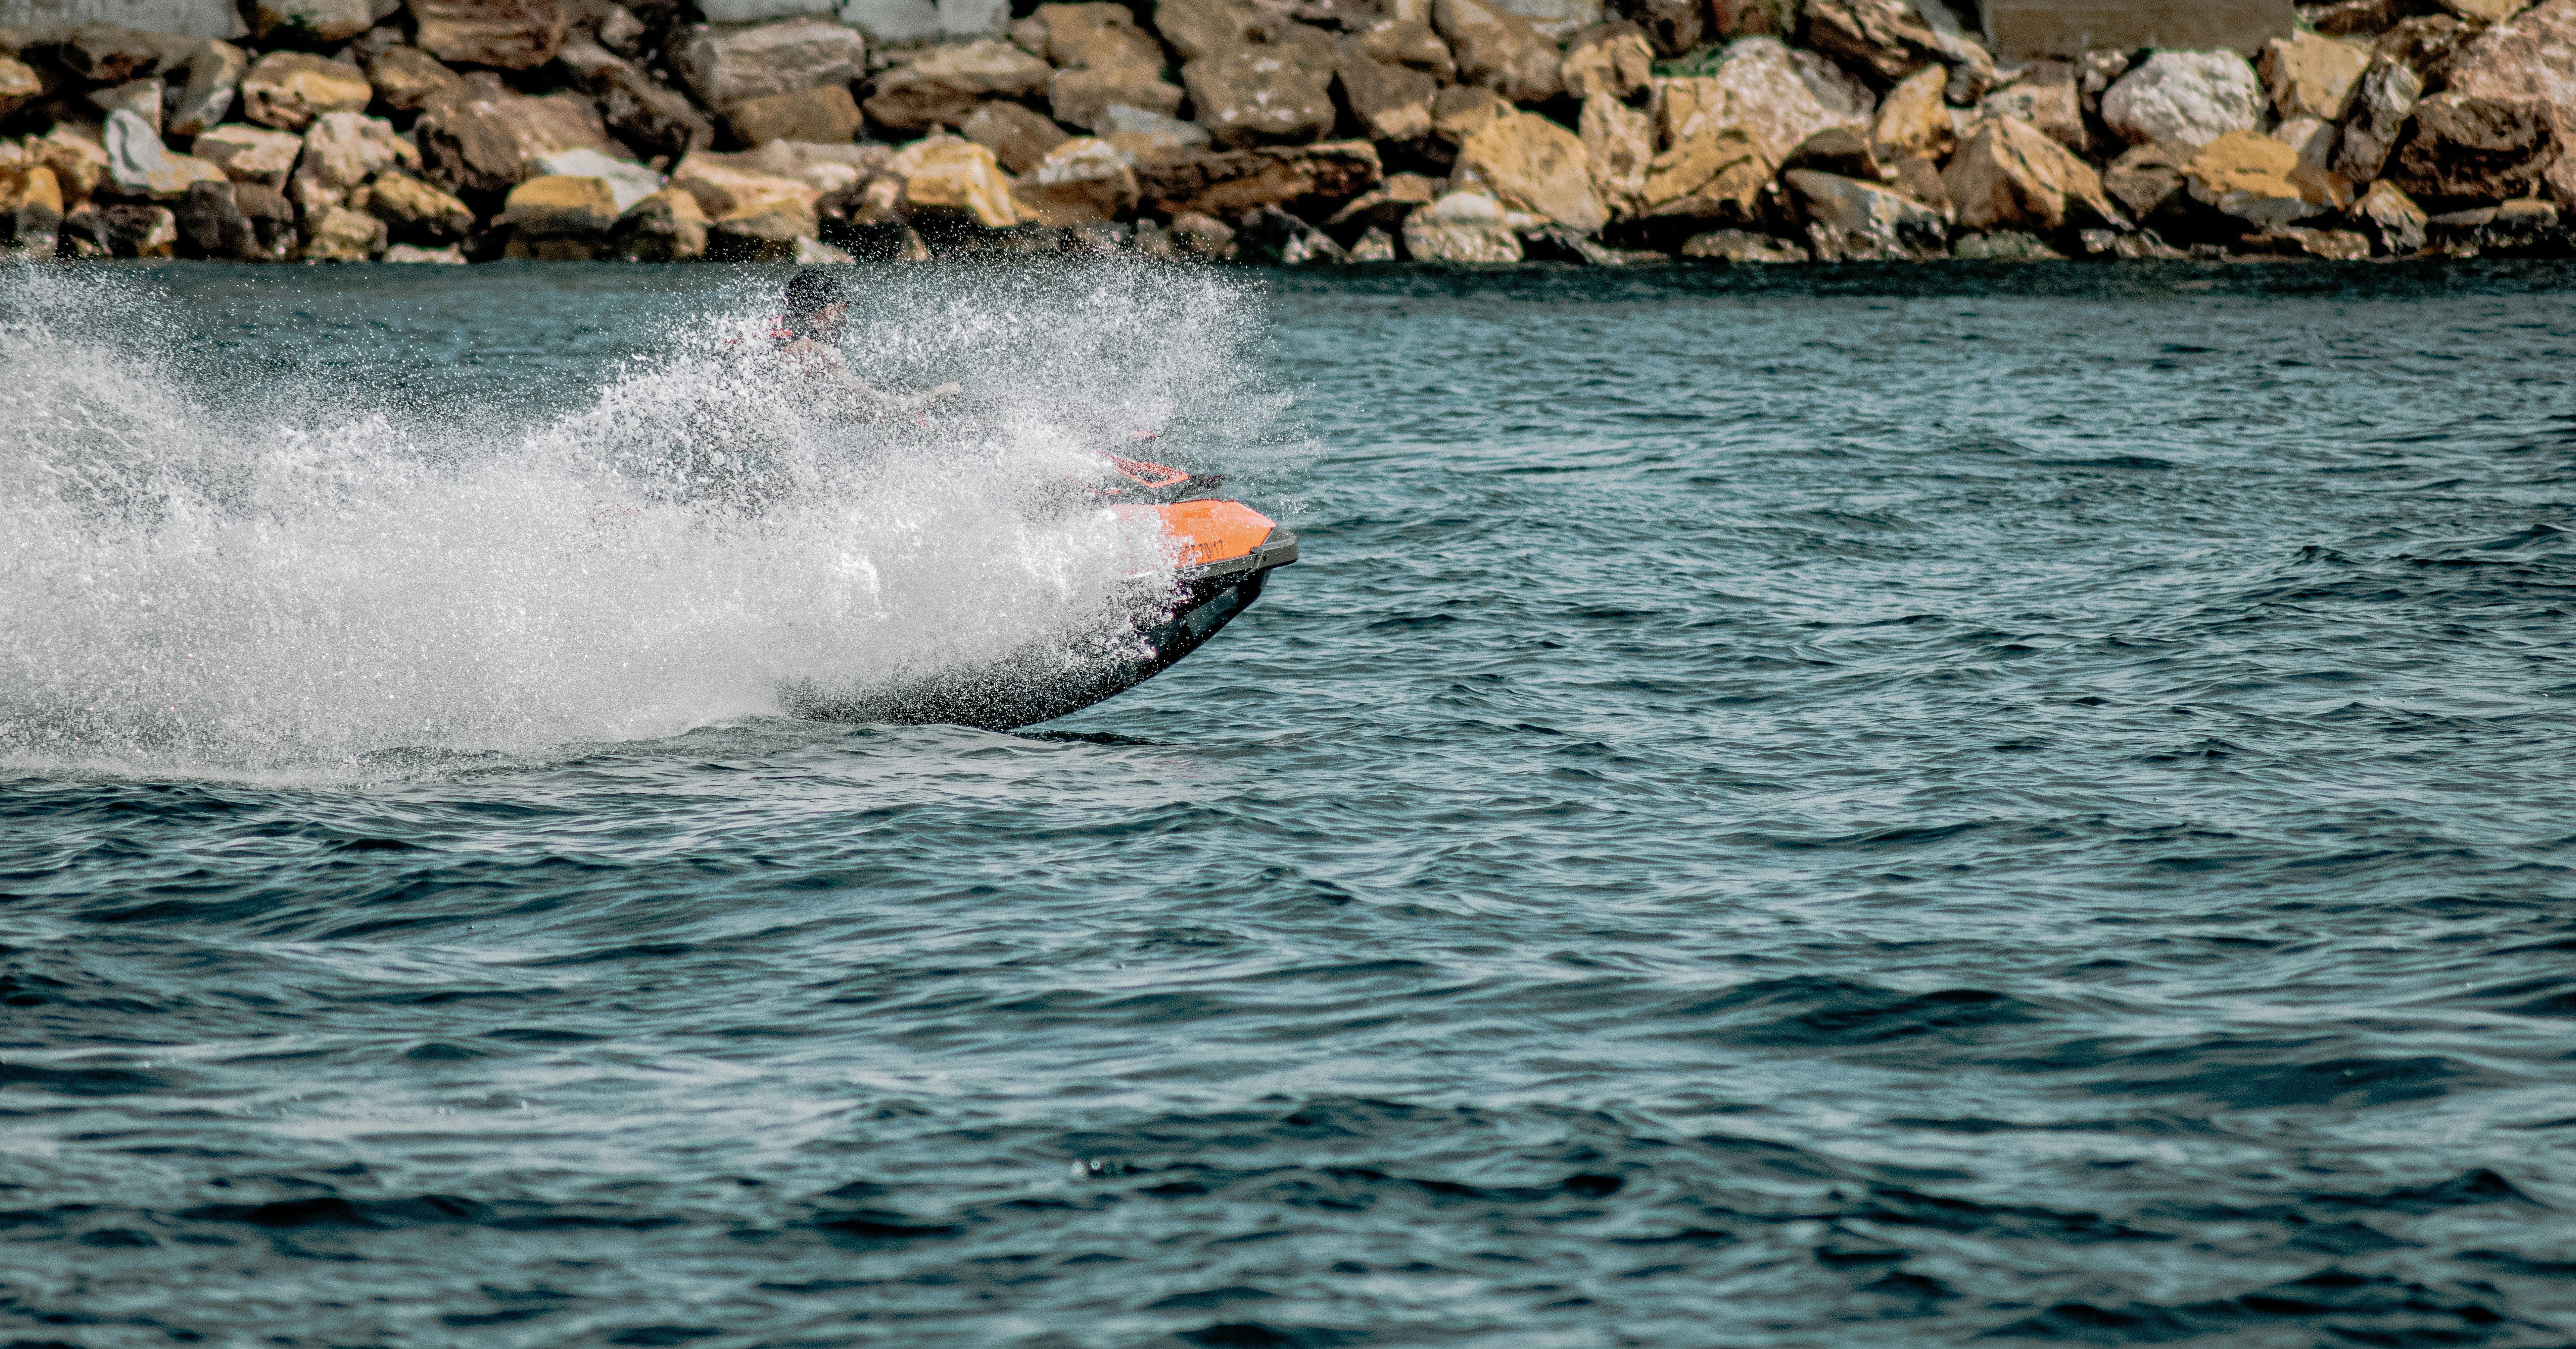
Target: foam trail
<point x="261" y="578"/>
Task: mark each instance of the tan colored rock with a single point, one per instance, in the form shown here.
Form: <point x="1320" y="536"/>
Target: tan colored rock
<point x="400" y="254"/>
<point x="1913" y="120"/>
<point x="289" y="89"/>
<point x="1531" y="164"/>
<point x="2384" y="102"/>
<point x="214" y="80"/>
<point x="251" y="154"/>
<point x="2531" y="57"/>
<point x="724" y="192"/>
<point x="1018" y="136"/>
<point x="1462" y="227"/>
<point x="824" y="168"/>
<point x="415" y="212"/>
<point x="2486" y="11"/>
<point x="77" y="156"/>
<point x="1919" y="177"/>
<point x="1884" y="38"/>
<point x="2044" y="95"/>
<point x="1777" y="96"/>
<point x="343" y="235"/>
<point x="1384" y="207"/>
<point x="1462" y="110"/>
<point x="1849" y="220"/>
<point x="1085" y="97"/>
<point x="724" y="66"/>
<point x="1084" y="181"/>
<point x="2391" y="216"/>
<point x="486" y="144"/>
<point x="1410" y="44"/>
<point x="945" y="85"/>
<point x="341" y="151"/>
<point x="947" y="176"/>
<point x="2011" y="176"/>
<point x="1715" y="163"/>
<point x="1097" y="36"/>
<point x="31" y="210"/>
<point x="511" y="34"/>
<point x="1613" y="59"/>
<point x="560" y="206"/>
<point x="1619" y="145"/>
<point x="1498" y="49"/>
<point x="1203" y="28"/>
<point x="824" y="115"/>
<point x="407" y="78"/>
<point x="1259" y="95"/>
<point x="1840" y="150"/>
<point x="2261" y="181"/>
<point x="1311" y="180"/>
<point x="665" y="227"/>
<point x="2311" y="75"/>
<point x="1392" y="102"/>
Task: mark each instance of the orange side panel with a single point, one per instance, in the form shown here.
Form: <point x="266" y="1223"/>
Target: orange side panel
<point x="1212" y="531"/>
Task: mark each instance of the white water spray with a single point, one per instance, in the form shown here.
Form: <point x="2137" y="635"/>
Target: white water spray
<point x="264" y="577"/>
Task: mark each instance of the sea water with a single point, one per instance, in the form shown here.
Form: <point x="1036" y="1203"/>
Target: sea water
<point x="1870" y="806"/>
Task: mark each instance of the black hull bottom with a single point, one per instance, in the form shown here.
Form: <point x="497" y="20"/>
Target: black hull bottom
<point x="1023" y="692"/>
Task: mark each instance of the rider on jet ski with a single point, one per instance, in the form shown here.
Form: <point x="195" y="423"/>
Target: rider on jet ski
<point x="809" y="341"/>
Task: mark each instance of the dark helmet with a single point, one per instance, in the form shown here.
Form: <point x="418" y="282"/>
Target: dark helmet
<point x="810" y="290"/>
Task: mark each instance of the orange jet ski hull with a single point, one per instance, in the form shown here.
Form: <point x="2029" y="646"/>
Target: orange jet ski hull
<point x="1225" y="552"/>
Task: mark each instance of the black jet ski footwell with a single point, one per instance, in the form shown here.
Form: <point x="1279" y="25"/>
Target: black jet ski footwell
<point x="1036" y="687"/>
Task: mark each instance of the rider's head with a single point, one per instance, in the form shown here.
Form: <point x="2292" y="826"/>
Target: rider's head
<point x="815" y="305"/>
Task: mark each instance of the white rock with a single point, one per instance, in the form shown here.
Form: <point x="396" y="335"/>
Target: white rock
<point x="907" y="21"/>
<point x="2192" y="97"/>
<point x="1558" y="19"/>
<point x="187" y="18"/>
<point x="140" y="97"/>
<point x="141" y="166"/>
<point x="2313" y="138"/>
<point x="628" y="183"/>
<point x="761" y="11"/>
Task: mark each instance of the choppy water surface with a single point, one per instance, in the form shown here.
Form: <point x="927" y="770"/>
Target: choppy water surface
<point x="1827" y="808"/>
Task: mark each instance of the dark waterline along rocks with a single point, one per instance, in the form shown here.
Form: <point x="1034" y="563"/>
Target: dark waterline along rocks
<point x="1840" y="130"/>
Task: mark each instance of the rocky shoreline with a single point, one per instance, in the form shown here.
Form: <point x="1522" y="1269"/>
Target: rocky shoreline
<point x="1280" y="131"/>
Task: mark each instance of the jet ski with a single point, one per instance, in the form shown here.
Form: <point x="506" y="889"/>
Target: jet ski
<point x="1224" y="552"/>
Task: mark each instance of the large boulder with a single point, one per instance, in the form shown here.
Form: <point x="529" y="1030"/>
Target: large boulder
<point x="31" y="210"/>
<point x="214" y="80"/>
<point x="1018" y="135"/>
<point x="2044" y="94"/>
<point x="1462" y="227"/>
<point x="1308" y="180"/>
<point x="1084" y="181"/>
<point x="1777" y="96"/>
<point x="211" y="224"/>
<point x="1260" y="95"/>
<point x="2381" y="107"/>
<point x="20" y="84"/>
<point x="1849" y="220"/>
<point x="724" y="66"/>
<point x="2011" y="176"/>
<point x="1531" y="164"/>
<point x="343" y="235"/>
<point x="827" y="114"/>
<point x="1085" y="97"/>
<point x="511" y="34"/>
<point x="414" y="212"/>
<point x="342" y="150"/>
<point x="140" y="166"/>
<point x="319" y="21"/>
<point x="407" y="78"/>
<point x="251" y="153"/>
<point x="288" y="90"/>
<point x="1913" y="120"/>
<point x="1884" y="39"/>
<point x="1499" y="49"/>
<point x="2257" y="179"/>
<point x="1097" y="36"/>
<point x="1613" y="59"/>
<point x="627" y="182"/>
<point x="2149" y="181"/>
<point x="951" y="180"/>
<point x="644" y="112"/>
<point x="1411" y="44"/>
<point x="1619" y="148"/>
<point x="943" y="86"/>
<point x="667" y="226"/>
<point x="2530" y="59"/>
<point x="2313" y="76"/>
<point x="725" y="191"/>
<point x="77" y="157"/>
<point x="1391" y="102"/>
<point x="2392" y="220"/>
<point x="1557" y="20"/>
<point x="2192" y="97"/>
<point x="559" y="218"/>
<point x="485" y="143"/>
<point x="2465" y="149"/>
